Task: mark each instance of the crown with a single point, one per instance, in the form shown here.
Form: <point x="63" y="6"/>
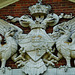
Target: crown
<point x="39" y="9"/>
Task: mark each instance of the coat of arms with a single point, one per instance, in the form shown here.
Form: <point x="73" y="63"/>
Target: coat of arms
<point x="37" y="49"/>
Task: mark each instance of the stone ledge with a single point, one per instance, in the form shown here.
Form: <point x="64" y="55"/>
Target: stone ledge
<point x="72" y="1"/>
<point x="5" y="3"/>
<point x="54" y="71"/>
<point x="57" y="71"/>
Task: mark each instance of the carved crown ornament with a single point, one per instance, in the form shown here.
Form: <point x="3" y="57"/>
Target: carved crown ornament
<point x="36" y="54"/>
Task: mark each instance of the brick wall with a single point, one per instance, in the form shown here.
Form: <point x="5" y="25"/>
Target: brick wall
<point x="21" y="7"/>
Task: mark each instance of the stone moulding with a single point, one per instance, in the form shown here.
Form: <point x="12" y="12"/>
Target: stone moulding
<point x="72" y="1"/>
<point x="4" y="3"/>
<point x="53" y="71"/>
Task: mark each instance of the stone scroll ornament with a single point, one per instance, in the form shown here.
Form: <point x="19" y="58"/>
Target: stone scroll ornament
<point x="36" y="53"/>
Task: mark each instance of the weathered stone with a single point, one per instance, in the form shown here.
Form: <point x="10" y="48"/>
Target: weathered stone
<point x="37" y="53"/>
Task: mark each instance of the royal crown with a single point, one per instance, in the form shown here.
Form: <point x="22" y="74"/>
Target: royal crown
<point x="39" y="9"/>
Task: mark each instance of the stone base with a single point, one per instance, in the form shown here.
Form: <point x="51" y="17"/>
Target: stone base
<point x="57" y="71"/>
<point x="54" y="71"/>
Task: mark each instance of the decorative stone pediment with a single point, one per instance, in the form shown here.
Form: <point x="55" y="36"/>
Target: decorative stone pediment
<point x="4" y="3"/>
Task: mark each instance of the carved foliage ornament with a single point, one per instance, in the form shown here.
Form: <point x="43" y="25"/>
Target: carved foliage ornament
<point x="37" y="53"/>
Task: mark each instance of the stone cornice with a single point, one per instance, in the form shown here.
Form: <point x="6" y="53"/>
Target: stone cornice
<point x="72" y="1"/>
<point x="4" y="3"/>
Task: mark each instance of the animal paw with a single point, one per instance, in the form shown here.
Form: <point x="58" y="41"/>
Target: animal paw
<point x="20" y="63"/>
<point x="65" y="68"/>
<point x="9" y="68"/>
<point x="50" y="63"/>
<point x="3" y="69"/>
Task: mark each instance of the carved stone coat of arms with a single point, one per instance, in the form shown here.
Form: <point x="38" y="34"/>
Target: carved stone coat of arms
<point x="36" y="53"/>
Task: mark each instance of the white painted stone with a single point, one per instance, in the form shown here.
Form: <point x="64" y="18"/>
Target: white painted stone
<point x="4" y="3"/>
<point x="62" y="72"/>
<point x="50" y="72"/>
<point x="7" y="71"/>
<point x="66" y="48"/>
<point x="17" y="72"/>
<point x="53" y="71"/>
<point x="7" y="50"/>
<point x="72" y="1"/>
